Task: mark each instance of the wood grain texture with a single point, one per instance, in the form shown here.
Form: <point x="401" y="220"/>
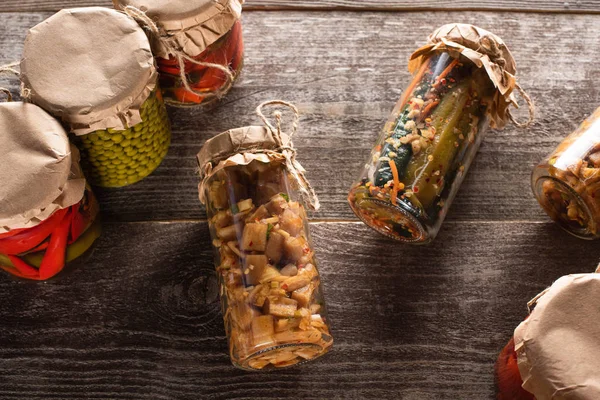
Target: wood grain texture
<point x="345" y="89"/>
<point x="562" y="6"/>
<point x="141" y="320"/>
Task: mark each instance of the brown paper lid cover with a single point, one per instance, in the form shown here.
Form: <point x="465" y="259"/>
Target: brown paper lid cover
<point x="40" y="172"/>
<point x="558" y="346"/>
<point x="193" y="24"/>
<point x="91" y="67"/>
<point x="486" y="50"/>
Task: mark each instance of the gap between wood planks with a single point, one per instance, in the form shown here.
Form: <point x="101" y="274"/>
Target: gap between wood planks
<point x="327" y="221"/>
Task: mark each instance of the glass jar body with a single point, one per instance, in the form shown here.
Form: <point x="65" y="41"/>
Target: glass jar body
<point x="116" y="158"/>
<point x="567" y="182"/>
<point x="228" y="51"/>
<point x="424" y="151"/>
<point x="508" y="377"/>
<point x="64" y="238"/>
<point x="271" y="294"/>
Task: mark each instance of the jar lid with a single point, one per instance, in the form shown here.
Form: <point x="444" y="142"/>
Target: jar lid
<point x="486" y="50"/>
<point x="193" y="24"/>
<point x="40" y="172"/>
<point x="238" y="146"/>
<point x="558" y="346"/>
<point x="91" y="67"/>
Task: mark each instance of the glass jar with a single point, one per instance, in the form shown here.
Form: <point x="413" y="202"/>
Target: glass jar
<point x="108" y="96"/>
<point x="121" y="157"/>
<point x="227" y="51"/>
<point x="567" y="182"/>
<point x="426" y="147"/>
<point x="421" y="157"/>
<point x="41" y="252"/>
<point x="271" y="290"/>
<point x="203" y="36"/>
<point x="553" y="352"/>
<point x="49" y="215"/>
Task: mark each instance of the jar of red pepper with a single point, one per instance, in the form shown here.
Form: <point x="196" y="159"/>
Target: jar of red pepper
<point x="554" y="353"/>
<point x="48" y="215"/>
<point x="198" y="46"/>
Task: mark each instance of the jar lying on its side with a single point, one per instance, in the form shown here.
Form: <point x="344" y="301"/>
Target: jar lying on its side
<point x="204" y="35"/>
<point x="107" y="95"/>
<point x="271" y="291"/>
<point x="567" y="183"/>
<point x="49" y="216"/>
<point x="434" y="132"/>
<point x="555" y="350"/>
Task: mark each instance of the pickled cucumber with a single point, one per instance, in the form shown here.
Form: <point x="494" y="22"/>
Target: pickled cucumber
<point x="115" y="158"/>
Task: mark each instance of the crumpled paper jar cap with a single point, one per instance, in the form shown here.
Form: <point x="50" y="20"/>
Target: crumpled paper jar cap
<point x="193" y="24"/>
<point x="91" y="67"/>
<point x="40" y="172"/>
<point x="487" y="51"/>
<point x="558" y="346"/>
<point x="237" y="141"/>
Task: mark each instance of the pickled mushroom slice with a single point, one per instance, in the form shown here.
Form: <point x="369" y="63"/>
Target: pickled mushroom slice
<point x="254" y="237"/>
<point x="280" y="306"/>
<point x="311" y="336"/>
<point x="274" y="249"/>
<point x="283" y="324"/>
<point x="277" y="204"/>
<point x="227" y="233"/>
<point x="295" y="248"/>
<point x="289" y="270"/>
<point x="291" y="222"/>
<point x="263" y="330"/>
<point x="304" y="295"/>
<point x="295" y="282"/>
<point x="254" y="267"/>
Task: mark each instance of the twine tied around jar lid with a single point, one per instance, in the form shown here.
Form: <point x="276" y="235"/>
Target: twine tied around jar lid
<point x="487" y="51"/>
<point x="173" y="49"/>
<point x="262" y="143"/>
<point x="5" y="69"/>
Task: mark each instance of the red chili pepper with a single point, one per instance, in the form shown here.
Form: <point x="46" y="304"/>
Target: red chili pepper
<point x="508" y="376"/>
<point x="78" y="223"/>
<point x="185" y="96"/>
<point x="12" y="232"/>
<point x="24" y="269"/>
<point x="54" y="258"/>
<point x="32" y="237"/>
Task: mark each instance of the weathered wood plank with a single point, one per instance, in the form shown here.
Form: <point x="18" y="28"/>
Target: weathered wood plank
<point x="141" y="320"/>
<point x="345" y="89"/>
<point x="359" y="5"/>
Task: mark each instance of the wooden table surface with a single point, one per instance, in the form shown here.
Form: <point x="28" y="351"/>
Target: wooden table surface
<point x="141" y="319"/>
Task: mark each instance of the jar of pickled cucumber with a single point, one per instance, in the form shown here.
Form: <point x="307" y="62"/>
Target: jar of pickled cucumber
<point x="554" y="353"/>
<point x="567" y="182"/>
<point x="198" y="45"/>
<point x="271" y="290"/>
<point x="107" y="95"/>
<point x="48" y="215"/>
<point x="463" y="81"/>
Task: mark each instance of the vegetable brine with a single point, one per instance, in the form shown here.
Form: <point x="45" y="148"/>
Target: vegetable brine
<point x="554" y="353"/>
<point x="270" y="287"/>
<point x="107" y="95"/>
<point x="198" y="44"/>
<point x="48" y="214"/>
<point x="434" y="132"/>
<point x="567" y="183"/>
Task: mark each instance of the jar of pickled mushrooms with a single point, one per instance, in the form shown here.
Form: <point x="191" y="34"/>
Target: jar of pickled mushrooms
<point x="198" y="44"/>
<point x="463" y="81"/>
<point x="93" y="69"/>
<point x="567" y="182"/>
<point x="48" y="216"/>
<point x="271" y="292"/>
<point x="554" y="353"/>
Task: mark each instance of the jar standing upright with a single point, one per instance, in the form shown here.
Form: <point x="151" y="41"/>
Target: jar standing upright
<point x="48" y="215"/>
<point x="567" y="182"/>
<point x="93" y="69"/>
<point x="271" y="289"/>
<point x="463" y="81"/>
<point x="198" y="44"/>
